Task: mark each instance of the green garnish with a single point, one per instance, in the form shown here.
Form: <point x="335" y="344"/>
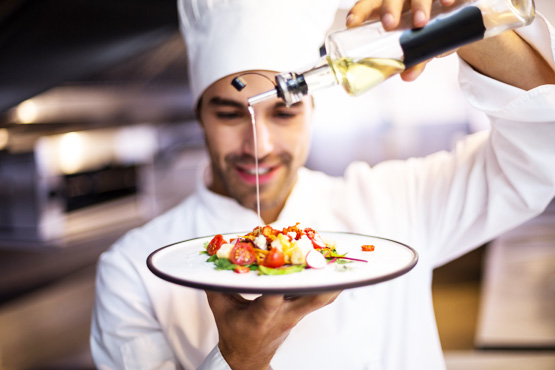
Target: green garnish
<point x="226" y="264"/>
<point x="340" y="261"/>
<point x="263" y="270"/>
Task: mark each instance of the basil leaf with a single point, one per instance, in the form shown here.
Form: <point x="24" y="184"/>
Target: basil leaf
<point x="223" y="264"/>
<point x="212" y="258"/>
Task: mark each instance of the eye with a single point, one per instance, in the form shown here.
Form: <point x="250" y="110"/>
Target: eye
<point x="228" y="116"/>
<point x="285" y="114"/>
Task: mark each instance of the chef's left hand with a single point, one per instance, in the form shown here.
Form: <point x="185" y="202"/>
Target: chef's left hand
<point x="250" y="332"/>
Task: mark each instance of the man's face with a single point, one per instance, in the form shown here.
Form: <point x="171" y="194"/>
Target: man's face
<point x="282" y="135"/>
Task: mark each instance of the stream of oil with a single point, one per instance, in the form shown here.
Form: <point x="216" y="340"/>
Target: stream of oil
<point x="255" y="143"/>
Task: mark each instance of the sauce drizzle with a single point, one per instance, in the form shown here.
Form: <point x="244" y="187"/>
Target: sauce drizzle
<point x="255" y="143"/>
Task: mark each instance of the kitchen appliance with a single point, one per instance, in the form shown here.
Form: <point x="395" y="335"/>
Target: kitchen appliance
<point x="45" y="180"/>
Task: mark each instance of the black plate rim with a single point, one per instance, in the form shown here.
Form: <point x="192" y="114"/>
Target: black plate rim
<point x="288" y="291"/>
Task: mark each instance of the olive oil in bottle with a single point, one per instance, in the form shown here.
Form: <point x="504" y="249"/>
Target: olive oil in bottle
<point x="359" y="75"/>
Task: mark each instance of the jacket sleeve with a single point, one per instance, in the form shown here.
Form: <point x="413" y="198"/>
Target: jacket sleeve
<point x="133" y="315"/>
<point x="214" y="361"/>
<point x="507" y="177"/>
<point x="448" y="203"/>
<point x="124" y="331"/>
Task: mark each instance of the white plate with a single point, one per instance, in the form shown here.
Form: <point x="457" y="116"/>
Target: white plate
<point x="182" y="263"/>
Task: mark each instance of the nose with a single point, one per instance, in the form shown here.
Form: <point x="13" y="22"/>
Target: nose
<point x="259" y="140"/>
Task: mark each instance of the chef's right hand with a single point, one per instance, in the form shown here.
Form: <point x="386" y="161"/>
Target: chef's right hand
<point x="250" y="332"/>
<point x="389" y="12"/>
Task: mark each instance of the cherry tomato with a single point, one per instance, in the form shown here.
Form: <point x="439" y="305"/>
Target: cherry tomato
<point x="242" y="254"/>
<point x="215" y="244"/>
<point x="274" y="258"/>
<point x="241" y="269"/>
<point x="368" y="248"/>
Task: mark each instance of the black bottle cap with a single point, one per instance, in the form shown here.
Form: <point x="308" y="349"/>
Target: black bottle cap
<point x="238" y="83"/>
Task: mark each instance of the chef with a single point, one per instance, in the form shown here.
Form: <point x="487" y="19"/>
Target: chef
<point x="443" y="205"/>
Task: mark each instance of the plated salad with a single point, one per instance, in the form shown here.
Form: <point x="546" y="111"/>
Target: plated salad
<point x="271" y="251"/>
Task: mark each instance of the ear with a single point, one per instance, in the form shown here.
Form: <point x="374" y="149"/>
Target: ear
<point x="198" y="114"/>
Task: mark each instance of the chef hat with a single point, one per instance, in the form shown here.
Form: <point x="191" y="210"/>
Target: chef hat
<point x="229" y="36"/>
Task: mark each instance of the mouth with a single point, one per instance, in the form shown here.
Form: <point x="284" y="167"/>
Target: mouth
<point x="265" y="173"/>
<point x="261" y="171"/>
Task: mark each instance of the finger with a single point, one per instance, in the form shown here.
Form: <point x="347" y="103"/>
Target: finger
<point x="391" y="13"/>
<point x="221" y="302"/>
<point x="421" y="12"/>
<point x="307" y="304"/>
<point x="216" y="299"/>
<point x="443" y="55"/>
<point x="362" y="11"/>
<point x="268" y="304"/>
<point x="412" y="73"/>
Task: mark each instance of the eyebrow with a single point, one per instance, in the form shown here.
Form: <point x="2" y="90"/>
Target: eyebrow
<point x="223" y="102"/>
<point x="282" y="105"/>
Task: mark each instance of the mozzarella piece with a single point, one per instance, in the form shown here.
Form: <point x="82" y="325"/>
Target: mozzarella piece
<point x="304" y="244"/>
<point x="260" y="242"/>
<point x="225" y="250"/>
<point x="300" y="249"/>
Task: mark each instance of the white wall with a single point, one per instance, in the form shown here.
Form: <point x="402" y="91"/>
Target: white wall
<point x="395" y="119"/>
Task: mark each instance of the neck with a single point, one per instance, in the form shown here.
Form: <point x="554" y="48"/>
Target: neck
<point x="267" y="214"/>
<point x="270" y="215"/>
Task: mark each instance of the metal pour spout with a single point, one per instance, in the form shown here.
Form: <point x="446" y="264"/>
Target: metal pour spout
<point x="290" y="87"/>
<point x="262" y="96"/>
<point x="239" y="84"/>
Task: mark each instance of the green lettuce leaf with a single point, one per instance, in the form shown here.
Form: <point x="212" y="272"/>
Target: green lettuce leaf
<point x="263" y="270"/>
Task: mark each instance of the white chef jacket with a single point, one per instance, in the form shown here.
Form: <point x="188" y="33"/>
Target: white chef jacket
<point x="442" y="205"/>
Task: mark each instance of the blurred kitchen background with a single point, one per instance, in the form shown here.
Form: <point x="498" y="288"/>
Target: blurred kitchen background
<point x="97" y="135"/>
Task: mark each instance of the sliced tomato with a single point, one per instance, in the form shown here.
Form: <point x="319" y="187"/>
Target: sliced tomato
<point x="368" y="248"/>
<point x="242" y="254"/>
<point x="268" y="230"/>
<point x="241" y="269"/>
<point x="215" y="244"/>
<point x="294" y="229"/>
<point x="274" y="258"/>
<point x="315" y="238"/>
